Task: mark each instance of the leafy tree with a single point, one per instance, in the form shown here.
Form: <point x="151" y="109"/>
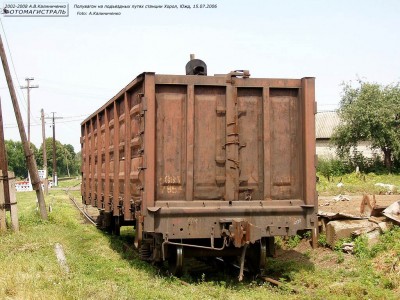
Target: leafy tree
<point x="66" y="160"/>
<point x="16" y="157"/>
<point x="69" y="160"/>
<point x="370" y="112"/>
<point x="76" y="167"/>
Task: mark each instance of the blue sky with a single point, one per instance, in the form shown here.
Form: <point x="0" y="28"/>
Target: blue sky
<point x="80" y="62"/>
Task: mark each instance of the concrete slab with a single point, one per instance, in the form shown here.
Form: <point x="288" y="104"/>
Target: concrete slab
<point x="336" y="230"/>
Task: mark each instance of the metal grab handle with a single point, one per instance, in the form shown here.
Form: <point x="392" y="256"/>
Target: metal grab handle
<point x="225" y="243"/>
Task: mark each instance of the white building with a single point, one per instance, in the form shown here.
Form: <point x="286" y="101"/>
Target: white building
<point x="325" y="124"/>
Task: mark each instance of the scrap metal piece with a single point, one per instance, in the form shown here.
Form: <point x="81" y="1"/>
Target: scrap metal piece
<point x="348" y="247"/>
<point x="338" y="216"/>
<point x="365" y="230"/>
<point x="341" y="197"/>
<point x="393" y="212"/>
<point x="367" y="206"/>
<point x="240" y="73"/>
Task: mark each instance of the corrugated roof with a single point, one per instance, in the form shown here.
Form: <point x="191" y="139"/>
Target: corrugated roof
<point x="325" y="123"/>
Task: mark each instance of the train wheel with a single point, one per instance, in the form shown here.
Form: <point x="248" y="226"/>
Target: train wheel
<point x="271" y="246"/>
<point x="107" y="221"/>
<point x="175" y="261"/>
<point x="263" y="254"/>
<point x="100" y="220"/>
<point x="257" y="256"/>
<point x="138" y="234"/>
<point x="116" y="226"/>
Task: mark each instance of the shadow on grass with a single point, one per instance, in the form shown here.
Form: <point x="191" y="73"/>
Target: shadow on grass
<point x="210" y="269"/>
<point x="287" y="264"/>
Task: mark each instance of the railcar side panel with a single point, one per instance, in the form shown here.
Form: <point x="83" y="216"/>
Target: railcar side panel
<point x="171" y="142"/>
<point x="251" y="146"/>
<point x="112" y="154"/>
<point x="286" y="137"/>
<point x="208" y="143"/>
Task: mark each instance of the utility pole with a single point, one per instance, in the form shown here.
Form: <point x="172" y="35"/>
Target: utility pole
<point x="4" y="191"/>
<point x="30" y="158"/>
<point x="66" y="160"/>
<point x="45" y="183"/>
<point x="29" y="87"/>
<point x="55" y="183"/>
<point x="8" y="200"/>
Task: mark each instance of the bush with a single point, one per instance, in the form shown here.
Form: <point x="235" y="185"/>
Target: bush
<point x="332" y="167"/>
<point x="293" y="241"/>
<point x="372" y="164"/>
<point x="361" y="249"/>
<point x="335" y="167"/>
<point x="322" y="240"/>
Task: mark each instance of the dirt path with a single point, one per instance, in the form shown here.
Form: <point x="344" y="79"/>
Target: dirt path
<point x="328" y="204"/>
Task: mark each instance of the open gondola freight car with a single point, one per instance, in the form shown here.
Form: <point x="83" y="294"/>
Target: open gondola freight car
<point x="203" y="165"/>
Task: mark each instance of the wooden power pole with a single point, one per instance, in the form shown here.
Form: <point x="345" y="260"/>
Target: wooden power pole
<point x="4" y="191"/>
<point x="30" y="158"/>
<point x="55" y="178"/>
<point x="45" y="182"/>
<point x="8" y="201"/>
<point x="28" y="87"/>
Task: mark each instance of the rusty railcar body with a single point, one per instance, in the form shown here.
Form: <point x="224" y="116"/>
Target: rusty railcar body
<point x="203" y="165"/>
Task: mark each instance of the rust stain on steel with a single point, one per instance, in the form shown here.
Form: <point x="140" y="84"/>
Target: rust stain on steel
<point x="182" y="152"/>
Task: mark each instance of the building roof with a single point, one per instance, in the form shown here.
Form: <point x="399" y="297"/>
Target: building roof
<point x="325" y="123"/>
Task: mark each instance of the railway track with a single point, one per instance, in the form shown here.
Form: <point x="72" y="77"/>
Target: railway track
<point x="81" y="209"/>
<point x="212" y="268"/>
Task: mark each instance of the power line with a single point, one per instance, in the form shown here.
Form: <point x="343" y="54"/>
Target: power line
<point x="22" y="103"/>
<point x="80" y="120"/>
<point x="85" y="86"/>
<point x="77" y="118"/>
<point x="73" y="94"/>
<point x="34" y="125"/>
<point x="70" y="117"/>
<point x="12" y="63"/>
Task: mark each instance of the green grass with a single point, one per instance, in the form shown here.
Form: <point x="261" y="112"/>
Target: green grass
<point x="68" y="183"/>
<point x="293" y="241"/>
<point x="372" y="273"/>
<point x="357" y="183"/>
<point x="101" y="269"/>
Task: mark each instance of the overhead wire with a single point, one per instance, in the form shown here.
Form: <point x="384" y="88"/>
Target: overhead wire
<point x="22" y="103"/>
<point x="62" y="85"/>
<point x="70" y="119"/>
<point x="78" y="118"/>
<point x="13" y="66"/>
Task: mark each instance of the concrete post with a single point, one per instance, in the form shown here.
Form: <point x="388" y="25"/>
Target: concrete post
<point x="13" y="202"/>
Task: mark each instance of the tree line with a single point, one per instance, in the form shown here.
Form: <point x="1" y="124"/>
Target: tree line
<point x="68" y="162"/>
